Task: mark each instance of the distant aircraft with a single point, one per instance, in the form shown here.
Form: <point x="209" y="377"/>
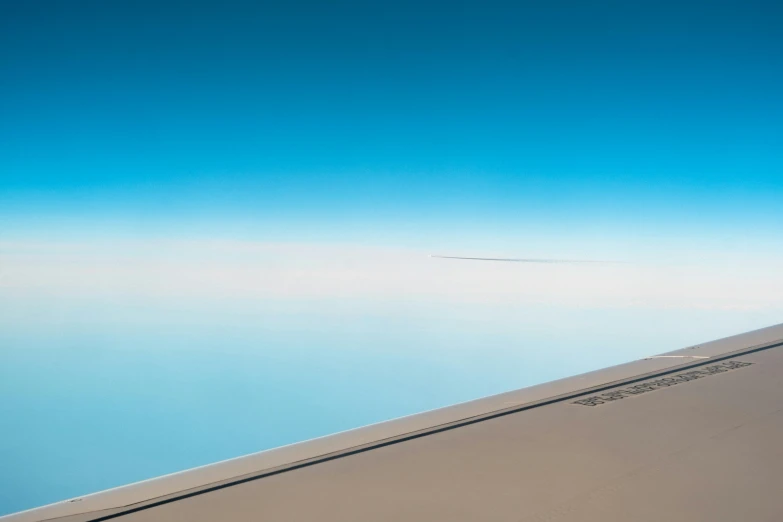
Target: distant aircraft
<point x="691" y="435"/>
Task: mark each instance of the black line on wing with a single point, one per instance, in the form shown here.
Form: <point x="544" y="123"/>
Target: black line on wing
<point x="457" y="424"/>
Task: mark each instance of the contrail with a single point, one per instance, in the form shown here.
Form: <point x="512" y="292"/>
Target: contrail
<point x="519" y="260"/>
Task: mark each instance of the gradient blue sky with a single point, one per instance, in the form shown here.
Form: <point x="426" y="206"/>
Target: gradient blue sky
<point x="305" y="114"/>
<point x="215" y="217"/>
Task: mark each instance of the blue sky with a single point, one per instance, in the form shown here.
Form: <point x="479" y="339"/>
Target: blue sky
<point x="215" y="217"/>
<point x="562" y="113"/>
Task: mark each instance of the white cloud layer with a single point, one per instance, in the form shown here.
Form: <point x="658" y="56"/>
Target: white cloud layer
<point x="275" y="271"/>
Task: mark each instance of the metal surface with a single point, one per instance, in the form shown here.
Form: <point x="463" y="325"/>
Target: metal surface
<point x="676" y="438"/>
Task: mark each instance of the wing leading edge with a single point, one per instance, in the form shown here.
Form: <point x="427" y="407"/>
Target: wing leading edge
<point x="691" y="434"/>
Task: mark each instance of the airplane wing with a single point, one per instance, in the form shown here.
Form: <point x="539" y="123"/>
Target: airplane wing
<point x="695" y="434"/>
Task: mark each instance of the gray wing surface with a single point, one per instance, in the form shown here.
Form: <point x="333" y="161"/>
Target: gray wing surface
<point x="695" y="434"/>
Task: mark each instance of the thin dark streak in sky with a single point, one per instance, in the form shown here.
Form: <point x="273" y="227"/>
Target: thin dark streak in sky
<point x="512" y="260"/>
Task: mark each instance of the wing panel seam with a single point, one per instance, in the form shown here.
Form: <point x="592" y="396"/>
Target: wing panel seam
<point x="442" y="428"/>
